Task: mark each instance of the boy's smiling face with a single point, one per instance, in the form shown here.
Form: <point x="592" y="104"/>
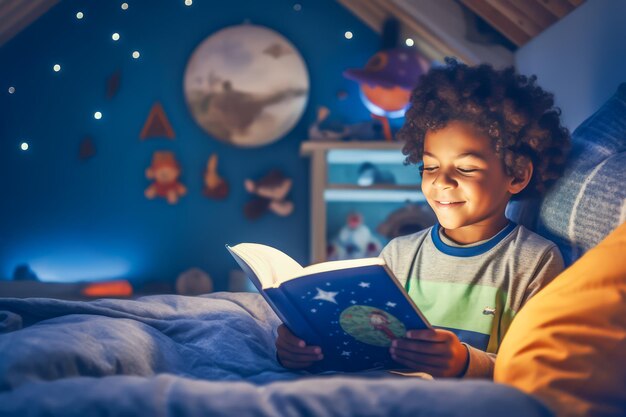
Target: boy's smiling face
<point x="465" y="183"/>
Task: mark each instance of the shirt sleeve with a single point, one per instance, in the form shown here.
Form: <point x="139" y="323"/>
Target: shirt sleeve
<point x="549" y="267"/>
<point x="480" y="365"/>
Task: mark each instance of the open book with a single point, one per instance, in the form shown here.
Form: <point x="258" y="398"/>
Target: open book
<point x="352" y="309"/>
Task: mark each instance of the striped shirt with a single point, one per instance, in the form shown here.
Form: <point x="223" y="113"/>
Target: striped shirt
<point x="473" y="290"/>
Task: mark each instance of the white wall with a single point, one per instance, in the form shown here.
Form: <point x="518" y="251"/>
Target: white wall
<point x="581" y="58"/>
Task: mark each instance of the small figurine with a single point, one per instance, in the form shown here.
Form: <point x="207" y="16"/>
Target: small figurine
<point x="214" y="185"/>
<point x="323" y="130"/>
<point x="355" y="240"/>
<point x="271" y="192"/>
<point x="165" y="171"/>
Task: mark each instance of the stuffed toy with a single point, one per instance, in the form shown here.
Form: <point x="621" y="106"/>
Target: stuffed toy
<point x="355" y="240"/>
<point x="165" y="171"/>
<point x="271" y="194"/>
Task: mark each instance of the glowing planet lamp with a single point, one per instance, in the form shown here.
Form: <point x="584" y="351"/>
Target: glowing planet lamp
<point x="386" y="83"/>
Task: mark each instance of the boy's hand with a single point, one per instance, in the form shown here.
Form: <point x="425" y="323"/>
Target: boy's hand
<point x="293" y="353"/>
<point x="436" y="351"/>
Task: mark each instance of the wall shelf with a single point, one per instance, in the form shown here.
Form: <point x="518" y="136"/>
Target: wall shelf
<point x="347" y="157"/>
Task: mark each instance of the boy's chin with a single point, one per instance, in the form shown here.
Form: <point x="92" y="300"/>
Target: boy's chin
<point x="449" y="224"/>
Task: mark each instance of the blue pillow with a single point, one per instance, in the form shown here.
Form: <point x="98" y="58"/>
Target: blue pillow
<point x="589" y="201"/>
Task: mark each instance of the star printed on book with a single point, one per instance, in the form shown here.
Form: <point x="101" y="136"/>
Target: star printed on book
<point x="326" y="296"/>
<point x="345" y="353"/>
<point x="390" y="304"/>
<point x="364" y="284"/>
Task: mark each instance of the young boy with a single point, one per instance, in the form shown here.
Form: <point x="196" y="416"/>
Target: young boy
<point x="480" y="137"/>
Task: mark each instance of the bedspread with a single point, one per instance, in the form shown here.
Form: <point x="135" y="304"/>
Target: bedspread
<point x="197" y="356"/>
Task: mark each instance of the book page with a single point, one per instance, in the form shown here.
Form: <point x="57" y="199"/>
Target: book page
<point x="270" y="265"/>
<point x="337" y="265"/>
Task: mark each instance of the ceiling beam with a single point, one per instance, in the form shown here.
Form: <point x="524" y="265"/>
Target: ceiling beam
<point x="16" y="15"/>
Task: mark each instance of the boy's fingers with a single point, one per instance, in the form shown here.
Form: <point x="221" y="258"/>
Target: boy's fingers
<point x="430" y="348"/>
<point x="312" y="351"/>
<point x="288" y="337"/>
<point x="420" y="358"/>
<point x="428" y="335"/>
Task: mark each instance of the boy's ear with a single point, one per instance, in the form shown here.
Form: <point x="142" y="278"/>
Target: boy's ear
<point x="518" y="183"/>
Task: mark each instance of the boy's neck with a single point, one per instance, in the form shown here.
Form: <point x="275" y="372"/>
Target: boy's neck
<point x="476" y="232"/>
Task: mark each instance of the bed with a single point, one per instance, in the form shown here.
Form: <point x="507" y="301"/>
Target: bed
<point x="215" y="355"/>
<point x="197" y="356"/>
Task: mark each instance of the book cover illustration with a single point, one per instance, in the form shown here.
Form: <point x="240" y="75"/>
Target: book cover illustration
<point x="356" y="316"/>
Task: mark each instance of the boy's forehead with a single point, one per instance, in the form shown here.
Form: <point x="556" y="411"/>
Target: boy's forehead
<point x="458" y="140"/>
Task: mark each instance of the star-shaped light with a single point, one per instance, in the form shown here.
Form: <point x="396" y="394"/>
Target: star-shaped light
<point x="390" y="304"/>
<point x="326" y="296"/>
<point x="364" y="284"/>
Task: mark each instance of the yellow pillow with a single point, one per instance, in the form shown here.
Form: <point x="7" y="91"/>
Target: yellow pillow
<point x="567" y="346"/>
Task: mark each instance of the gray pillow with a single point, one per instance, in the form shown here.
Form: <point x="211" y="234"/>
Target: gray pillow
<point x="589" y="201"/>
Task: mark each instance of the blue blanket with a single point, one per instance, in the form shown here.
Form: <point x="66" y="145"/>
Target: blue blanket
<point x="198" y="356"/>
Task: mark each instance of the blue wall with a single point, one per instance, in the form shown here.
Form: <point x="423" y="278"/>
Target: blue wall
<point x="86" y="220"/>
<point x="581" y="58"/>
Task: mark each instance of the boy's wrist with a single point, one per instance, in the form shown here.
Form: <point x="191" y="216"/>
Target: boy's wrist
<point x="467" y="361"/>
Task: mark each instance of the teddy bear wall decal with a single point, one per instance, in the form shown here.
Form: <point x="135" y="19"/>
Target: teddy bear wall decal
<point x="165" y="171"/>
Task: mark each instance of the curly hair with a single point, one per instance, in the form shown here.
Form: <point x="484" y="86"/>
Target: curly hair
<point x="511" y="109"/>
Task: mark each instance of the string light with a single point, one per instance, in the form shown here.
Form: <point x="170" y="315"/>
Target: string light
<point x="24" y="146"/>
<point x="124" y="6"/>
<point x="409" y="42"/>
<point x="115" y="36"/>
<point x="348" y="35"/>
<point x="56" y="68"/>
<point x="136" y="54"/>
<point x="97" y="115"/>
<point x="79" y="15"/>
<point x="188" y="2"/>
<point x="11" y="90"/>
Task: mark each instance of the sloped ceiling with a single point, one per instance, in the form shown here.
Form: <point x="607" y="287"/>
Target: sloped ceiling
<point x="443" y="28"/>
<point x="15" y="15"/>
<point x="439" y="27"/>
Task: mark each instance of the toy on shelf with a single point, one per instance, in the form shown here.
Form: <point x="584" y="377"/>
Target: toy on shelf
<point x="324" y="130"/>
<point x="271" y="194"/>
<point x="164" y="170"/>
<point x="388" y="78"/>
<point x="370" y="174"/>
<point x="355" y="240"/>
<point x="406" y="220"/>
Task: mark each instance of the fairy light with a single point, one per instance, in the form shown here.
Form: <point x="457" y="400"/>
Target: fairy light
<point x="79" y="15"/>
<point x="124" y="6"/>
<point x="24" y="146"/>
<point x="56" y="68"/>
<point x="409" y="42"/>
<point x="115" y="36"/>
<point x="136" y="54"/>
<point x="97" y="115"/>
<point x="188" y="2"/>
<point x="11" y="90"/>
<point x="348" y="35"/>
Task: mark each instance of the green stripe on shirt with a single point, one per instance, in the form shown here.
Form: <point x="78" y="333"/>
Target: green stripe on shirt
<point x="460" y="306"/>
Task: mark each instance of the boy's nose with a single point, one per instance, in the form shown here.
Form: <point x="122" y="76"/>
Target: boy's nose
<point x="443" y="181"/>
